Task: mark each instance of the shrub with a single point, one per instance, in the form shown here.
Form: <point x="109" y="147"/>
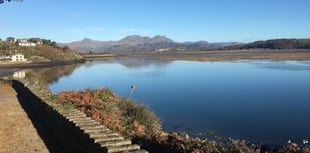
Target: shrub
<point x="139" y="114"/>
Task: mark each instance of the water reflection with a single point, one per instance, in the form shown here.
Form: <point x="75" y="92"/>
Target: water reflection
<point x="45" y="76"/>
<point x="247" y="99"/>
<point x="19" y="74"/>
<point x="132" y="62"/>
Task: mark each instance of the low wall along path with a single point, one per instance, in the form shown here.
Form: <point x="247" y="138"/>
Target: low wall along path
<point x="66" y="129"/>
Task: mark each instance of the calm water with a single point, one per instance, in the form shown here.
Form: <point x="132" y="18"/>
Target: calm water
<point x="261" y="101"/>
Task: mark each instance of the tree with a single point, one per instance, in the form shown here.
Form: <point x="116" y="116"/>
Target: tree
<point x="10" y="39"/>
<point x="53" y="43"/>
<point x="46" y="41"/>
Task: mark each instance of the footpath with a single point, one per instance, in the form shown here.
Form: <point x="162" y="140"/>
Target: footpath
<point x="31" y="121"/>
<point x="17" y="133"/>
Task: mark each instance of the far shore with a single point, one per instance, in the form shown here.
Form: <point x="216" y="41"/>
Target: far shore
<point x="32" y="64"/>
<point x="212" y="55"/>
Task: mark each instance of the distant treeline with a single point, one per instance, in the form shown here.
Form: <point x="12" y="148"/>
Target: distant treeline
<point x="275" y="44"/>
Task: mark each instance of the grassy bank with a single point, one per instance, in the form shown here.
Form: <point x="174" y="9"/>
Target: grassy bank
<point x="137" y="122"/>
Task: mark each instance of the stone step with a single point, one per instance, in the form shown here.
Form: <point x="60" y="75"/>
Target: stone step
<point x="98" y="131"/>
<point x="106" y="134"/>
<point x="105" y="139"/>
<point x="92" y="127"/>
<point x="79" y="124"/>
<point x="136" y="151"/>
<point x="81" y="119"/>
<point x="84" y="120"/>
<point x="114" y="149"/>
<point x="68" y="110"/>
<point x="95" y="130"/>
<point x="115" y="143"/>
<point x="74" y="116"/>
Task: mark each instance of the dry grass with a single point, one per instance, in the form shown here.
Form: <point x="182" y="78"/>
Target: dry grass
<point x="136" y="121"/>
<point x="120" y="114"/>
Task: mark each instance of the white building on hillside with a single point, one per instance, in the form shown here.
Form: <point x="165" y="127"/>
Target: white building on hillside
<point x="26" y="43"/>
<point x="17" y="57"/>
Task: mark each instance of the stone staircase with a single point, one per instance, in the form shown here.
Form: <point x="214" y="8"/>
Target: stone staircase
<point x="111" y="142"/>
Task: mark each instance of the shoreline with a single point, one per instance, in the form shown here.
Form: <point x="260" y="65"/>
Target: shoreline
<point x="20" y="65"/>
<point x="211" y="55"/>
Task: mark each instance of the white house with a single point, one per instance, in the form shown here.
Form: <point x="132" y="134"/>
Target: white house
<point x="19" y="74"/>
<point x="17" y="57"/>
<point x="25" y="42"/>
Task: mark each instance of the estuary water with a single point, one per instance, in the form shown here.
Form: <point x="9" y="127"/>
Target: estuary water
<point x="261" y="101"/>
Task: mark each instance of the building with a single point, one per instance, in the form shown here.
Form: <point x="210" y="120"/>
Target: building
<point x="26" y="43"/>
<point x="17" y="57"/>
<point x="37" y="41"/>
<point x="23" y="40"/>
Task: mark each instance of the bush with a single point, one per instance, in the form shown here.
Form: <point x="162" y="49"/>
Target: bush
<point x="140" y="115"/>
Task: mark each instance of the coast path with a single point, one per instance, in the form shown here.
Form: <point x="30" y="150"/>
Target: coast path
<point x="17" y="133"/>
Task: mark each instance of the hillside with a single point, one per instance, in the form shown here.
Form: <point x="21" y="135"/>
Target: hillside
<point x="162" y="43"/>
<point x="41" y="53"/>
<point x="138" y="43"/>
<point x="275" y="44"/>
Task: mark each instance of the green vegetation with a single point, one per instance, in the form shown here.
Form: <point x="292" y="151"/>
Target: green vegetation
<point x="138" y="114"/>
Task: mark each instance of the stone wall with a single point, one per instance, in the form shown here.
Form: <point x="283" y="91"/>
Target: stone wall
<point x="58" y="133"/>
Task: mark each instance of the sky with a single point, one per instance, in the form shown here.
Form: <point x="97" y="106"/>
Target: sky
<point x="180" y="20"/>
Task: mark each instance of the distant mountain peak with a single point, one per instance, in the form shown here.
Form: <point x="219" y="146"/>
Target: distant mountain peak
<point x="161" y="39"/>
<point x="140" y="43"/>
<point x="87" y="39"/>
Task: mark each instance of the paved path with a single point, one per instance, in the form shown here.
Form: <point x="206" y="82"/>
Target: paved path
<point x="17" y="133"/>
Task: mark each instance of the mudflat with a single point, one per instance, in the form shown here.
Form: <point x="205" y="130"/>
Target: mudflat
<point x="17" y="133"/>
<point x="226" y="55"/>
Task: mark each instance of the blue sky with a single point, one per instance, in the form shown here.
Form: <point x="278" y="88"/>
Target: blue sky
<point x="180" y="20"/>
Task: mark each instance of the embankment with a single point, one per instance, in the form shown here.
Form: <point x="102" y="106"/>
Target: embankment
<point x="65" y="129"/>
<point x="19" y="65"/>
<point x="57" y="132"/>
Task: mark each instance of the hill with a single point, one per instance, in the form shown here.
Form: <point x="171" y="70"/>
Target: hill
<point x="138" y="43"/>
<point x="275" y="44"/>
<point x="41" y="53"/>
<point x="162" y="43"/>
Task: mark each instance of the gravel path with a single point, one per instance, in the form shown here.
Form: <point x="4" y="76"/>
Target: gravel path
<point x="17" y="133"/>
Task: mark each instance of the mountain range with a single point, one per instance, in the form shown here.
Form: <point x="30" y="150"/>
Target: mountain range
<point x="162" y="43"/>
<point x="139" y="43"/>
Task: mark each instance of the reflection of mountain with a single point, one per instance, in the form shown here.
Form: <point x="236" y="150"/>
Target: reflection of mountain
<point x="132" y="62"/>
<point x="52" y="74"/>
